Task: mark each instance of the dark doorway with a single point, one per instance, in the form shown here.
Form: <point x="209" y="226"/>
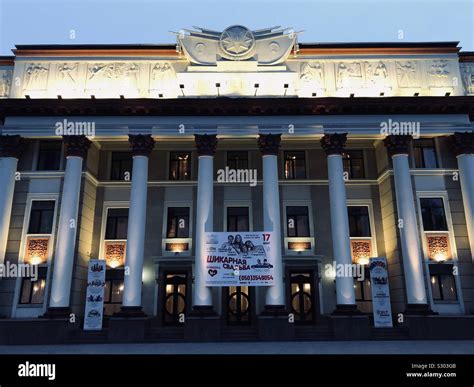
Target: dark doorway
<point x="238" y="305"/>
<point x="302" y="296"/>
<point x="174" y="291"/>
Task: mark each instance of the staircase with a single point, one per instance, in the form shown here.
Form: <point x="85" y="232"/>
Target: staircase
<point x="164" y="334"/>
<point x="239" y="333"/>
<point x="88" y="337"/>
<point x="396" y="333"/>
<point x="313" y="333"/>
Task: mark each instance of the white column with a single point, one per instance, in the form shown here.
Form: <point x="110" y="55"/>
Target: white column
<point x="8" y="166"/>
<point x="204" y="223"/>
<point x="345" y="293"/>
<point x="132" y="295"/>
<point x="409" y="235"/>
<point x="66" y="239"/>
<point x="271" y="222"/>
<point x="466" y="176"/>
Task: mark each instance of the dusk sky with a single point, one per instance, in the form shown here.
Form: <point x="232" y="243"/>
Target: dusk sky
<point x="149" y="21"/>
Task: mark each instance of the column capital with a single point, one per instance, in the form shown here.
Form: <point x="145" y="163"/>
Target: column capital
<point x="333" y="144"/>
<point x="269" y="144"/>
<point x="12" y="146"/>
<point x="463" y="143"/>
<point x="76" y="146"/>
<point x="397" y="144"/>
<point x="206" y="144"/>
<point x="141" y="144"/>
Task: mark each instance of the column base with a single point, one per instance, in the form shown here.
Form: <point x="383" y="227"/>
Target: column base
<point x="274" y="324"/>
<point x="130" y="311"/>
<point x="418" y="310"/>
<point x="55" y="313"/>
<point x="346" y="310"/>
<point x="202" y="324"/>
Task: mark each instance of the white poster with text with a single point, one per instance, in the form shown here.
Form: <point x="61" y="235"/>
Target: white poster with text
<point x="380" y="293"/>
<point x="95" y="295"/>
<point x="240" y="258"/>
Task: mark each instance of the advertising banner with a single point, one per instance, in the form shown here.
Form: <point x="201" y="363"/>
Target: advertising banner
<point x="380" y="293"/>
<point x="240" y="258"/>
<point x="95" y="295"/>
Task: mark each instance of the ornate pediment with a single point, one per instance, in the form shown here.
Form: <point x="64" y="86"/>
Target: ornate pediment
<point x="237" y="43"/>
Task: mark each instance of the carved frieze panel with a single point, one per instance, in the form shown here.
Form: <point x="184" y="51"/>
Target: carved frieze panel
<point x="5" y="82"/>
<point x="408" y="74"/>
<point x="36" y="76"/>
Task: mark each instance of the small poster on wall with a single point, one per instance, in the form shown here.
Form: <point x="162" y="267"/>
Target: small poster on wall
<point x="95" y="295"/>
<point x="380" y="293"/>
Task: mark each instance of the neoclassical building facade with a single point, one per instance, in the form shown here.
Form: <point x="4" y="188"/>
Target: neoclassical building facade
<point x="114" y="152"/>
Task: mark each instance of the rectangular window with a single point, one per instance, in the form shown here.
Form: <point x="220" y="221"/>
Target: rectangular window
<point x="41" y="217"/>
<point x="117" y="223"/>
<point x="295" y="165"/>
<point x="433" y="214"/>
<point x="363" y="292"/>
<point x="180" y="165"/>
<point x="32" y="292"/>
<point x="359" y="221"/>
<point x="443" y="284"/>
<point x="178" y="222"/>
<point x="353" y="163"/>
<point x="49" y="155"/>
<point x="297" y="221"/>
<point x="237" y="219"/>
<point x="424" y="153"/>
<point x="121" y="164"/>
<point x="113" y="291"/>
<point x="238" y="160"/>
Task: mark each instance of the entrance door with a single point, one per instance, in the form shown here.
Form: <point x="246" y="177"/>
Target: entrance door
<point x="175" y="292"/>
<point x="238" y="305"/>
<point x="302" y="296"/>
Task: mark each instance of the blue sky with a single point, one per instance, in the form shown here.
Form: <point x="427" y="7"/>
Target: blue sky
<point x="149" y="21"/>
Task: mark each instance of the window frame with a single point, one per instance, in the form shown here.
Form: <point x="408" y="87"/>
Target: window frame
<point x="164" y="230"/>
<point x="287" y="240"/>
<point x="111" y="161"/>
<point x="36" y="156"/>
<point x="236" y="150"/>
<point x="436" y="153"/>
<point x="285" y="152"/>
<point x="364" y="172"/>
<point x="238" y="203"/>
<point x="190" y="168"/>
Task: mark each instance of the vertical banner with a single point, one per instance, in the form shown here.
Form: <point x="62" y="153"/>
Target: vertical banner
<point x="380" y="293"/>
<point x="95" y="295"/>
<point x="240" y="258"/>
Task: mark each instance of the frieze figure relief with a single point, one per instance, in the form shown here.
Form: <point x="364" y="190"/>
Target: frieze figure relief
<point x="5" y="83"/>
<point x="468" y="79"/>
<point x="312" y="73"/>
<point x="35" y="77"/>
<point x="67" y="73"/>
<point x="407" y="74"/>
<point x="348" y="75"/>
<point x="377" y="74"/>
<point x="162" y="74"/>
<point x="439" y="74"/>
<point x="104" y="74"/>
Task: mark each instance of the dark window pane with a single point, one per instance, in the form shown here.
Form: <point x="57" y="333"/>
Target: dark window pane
<point x="424" y="153"/>
<point x="295" y="165"/>
<point x="178" y="222"/>
<point x="117" y="223"/>
<point x="237" y="160"/>
<point x="297" y="221"/>
<point x="432" y="212"/>
<point x="448" y="286"/>
<point x="49" y="155"/>
<point x="121" y="163"/>
<point x="32" y="292"/>
<point x="41" y="217"/>
<point x="180" y="165"/>
<point x="237" y="219"/>
<point x="117" y="291"/>
<point x="353" y="163"/>
<point x="359" y="222"/>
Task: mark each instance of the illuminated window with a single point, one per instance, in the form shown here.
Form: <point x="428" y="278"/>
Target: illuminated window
<point x="295" y="165"/>
<point x="113" y="291"/>
<point x="33" y="290"/>
<point x="41" y="217"/>
<point x="424" y="153"/>
<point x="49" y="155"/>
<point x="353" y="162"/>
<point x="180" y="165"/>
<point x="121" y="163"/>
<point x="178" y="222"/>
<point x="237" y="219"/>
<point x="297" y="221"/>
<point x="433" y="214"/>
<point x="238" y="160"/>
<point x="443" y="285"/>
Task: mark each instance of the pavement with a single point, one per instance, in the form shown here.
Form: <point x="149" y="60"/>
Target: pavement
<point x="283" y="348"/>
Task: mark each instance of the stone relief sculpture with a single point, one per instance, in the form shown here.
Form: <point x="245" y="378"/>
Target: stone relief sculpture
<point x="377" y="74"/>
<point x="468" y="79"/>
<point x="348" y="75"/>
<point x="439" y="74"/>
<point x="161" y="75"/>
<point x="407" y="74"/>
<point x="67" y="73"/>
<point x="35" y="77"/>
<point x="122" y="74"/>
<point x="5" y="83"/>
<point x="312" y="72"/>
